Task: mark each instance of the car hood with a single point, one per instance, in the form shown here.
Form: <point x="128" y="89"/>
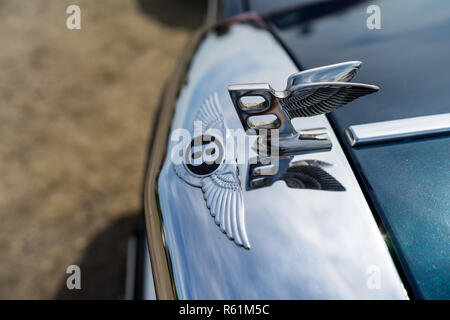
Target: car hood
<point x="407" y="182"/>
<point x="296" y="244"/>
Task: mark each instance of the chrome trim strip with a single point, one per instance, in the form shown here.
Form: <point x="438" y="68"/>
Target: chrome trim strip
<point x="394" y="130"/>
<point x="155" y="226"/>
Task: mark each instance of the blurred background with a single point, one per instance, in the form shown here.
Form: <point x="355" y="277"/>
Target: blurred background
<point x="76" y="110"/>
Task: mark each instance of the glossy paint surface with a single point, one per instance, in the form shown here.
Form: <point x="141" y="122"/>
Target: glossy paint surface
<point x="412" y="190"/>
<point x="306" y="244"/>
<point x="408" y="58"/>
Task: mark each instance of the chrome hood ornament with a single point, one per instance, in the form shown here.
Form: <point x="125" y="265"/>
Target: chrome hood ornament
<point x="308" y="93"/>
<point x="218" y="179"/>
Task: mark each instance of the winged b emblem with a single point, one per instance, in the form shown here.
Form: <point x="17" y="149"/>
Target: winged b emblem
<point x="218" y="179"/>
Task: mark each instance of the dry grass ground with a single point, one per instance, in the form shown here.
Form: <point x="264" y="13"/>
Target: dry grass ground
<point x="76" y="109"/>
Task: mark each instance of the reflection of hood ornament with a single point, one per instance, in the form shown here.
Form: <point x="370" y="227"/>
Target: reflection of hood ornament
<point x="300" y="174"/>
<point x="308" y="93"/>
<point x="218" y="179"/>
<point x="268" y="113"/>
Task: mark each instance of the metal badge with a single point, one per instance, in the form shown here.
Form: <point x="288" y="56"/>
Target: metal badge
<point x="218" y="179"/>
